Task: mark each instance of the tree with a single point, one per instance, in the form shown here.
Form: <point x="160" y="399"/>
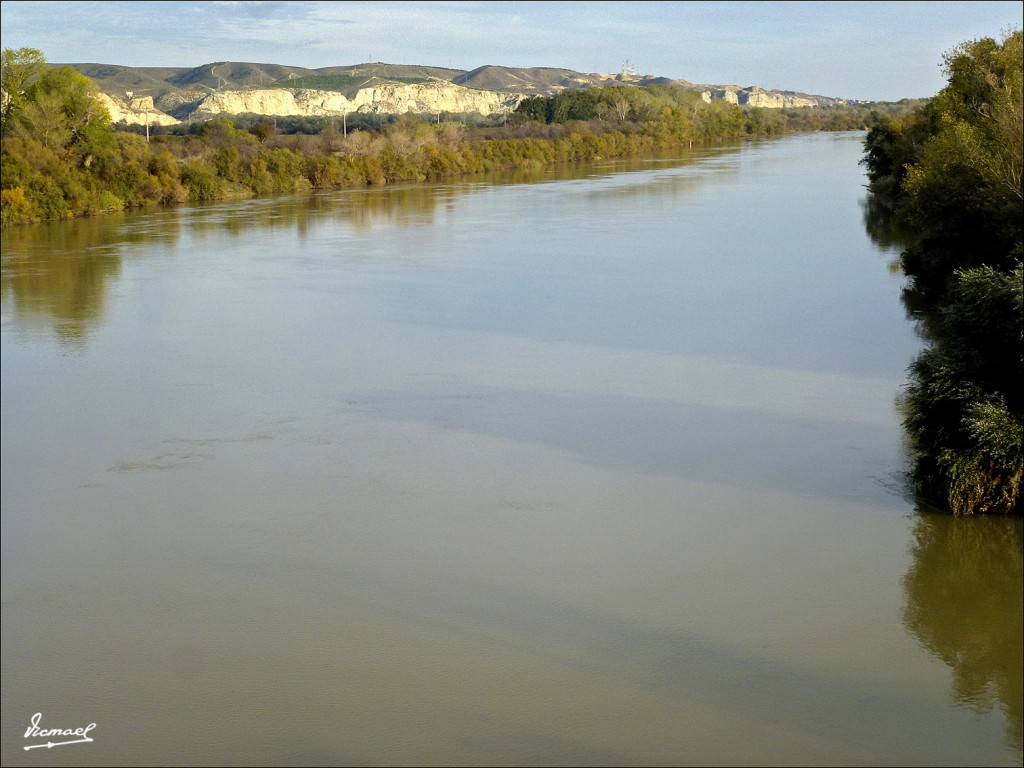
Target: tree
<point x="983" y="108"/>
<point x="958" y="165"/>
<point x="263" y="130"/>
<point x="537" y="108"/>
<point x="954" y="169"/>
<point x="62" y="110"/>
<point x="621" y="107"/>
<point x="963" y="405"/>
<point x="18" y="68"/>
<point x="894" y="144"/>
<point x="574" y="105"/>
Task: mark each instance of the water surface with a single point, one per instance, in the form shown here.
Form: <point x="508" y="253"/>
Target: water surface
<point x="599" y="466"/>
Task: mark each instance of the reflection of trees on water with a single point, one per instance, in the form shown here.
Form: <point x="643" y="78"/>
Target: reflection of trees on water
<point x="363" y="210"/>
<point x="882" y="227"/>
<point x="887" y="233"/>
<point x="401" y="205"/>
<point x="57" y="276"/>
<point x="964" y="592"/>
<point x="964" y="597"/>
<point x="65" y="294"/>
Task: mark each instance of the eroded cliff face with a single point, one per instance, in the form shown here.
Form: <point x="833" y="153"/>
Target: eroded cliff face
<point x="137" y="111"/>
<point x="437" y="96"/>
<point x="757" y="97"/>
<point x="385" y="98"/>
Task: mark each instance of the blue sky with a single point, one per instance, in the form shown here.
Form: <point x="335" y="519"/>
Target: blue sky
<point x="856" y="50"/>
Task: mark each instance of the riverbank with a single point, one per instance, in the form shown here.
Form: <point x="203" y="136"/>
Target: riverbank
<point x="105" y="170"/>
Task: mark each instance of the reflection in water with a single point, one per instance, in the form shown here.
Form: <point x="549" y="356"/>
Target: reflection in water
<point x="419" y="204"/>
<point x="56" y="276"/>
<point x="361" y="209"/>
<point x="887" y="232"/>
<point x="584" y="472"/>
<point x="964" y="603"/>
<point x="66" y="292"/>
<point x="882" y="226"/>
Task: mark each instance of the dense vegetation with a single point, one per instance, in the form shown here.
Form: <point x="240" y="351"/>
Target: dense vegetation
<point x="623" y="105"/>
<point x="62" y="157"/>
<point x="951" y="174"/>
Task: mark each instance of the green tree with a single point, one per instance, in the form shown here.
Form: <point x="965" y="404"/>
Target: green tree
<point x="964" y="193"/>
<point x="963" y="406"/>
<point x="954" y="172"/>
<point x="18" y="68"/>
<point x="893" y="145"/>
<point x="61" y="109"/>
<point x="536" y="108"/>
<point x="263" y="130"/>
<point x="982" y="109"/>
<point x="574" y="105"/>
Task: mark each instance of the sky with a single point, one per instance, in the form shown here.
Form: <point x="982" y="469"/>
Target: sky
<point x="875" y="51"/>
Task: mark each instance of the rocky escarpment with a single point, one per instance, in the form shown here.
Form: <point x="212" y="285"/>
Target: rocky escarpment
<point x="135" y="111"/>
<point x="758" y="97"/>
<point x="491" y="91"/>
<point x="174" y="101"/>
<point x="382" y="98"/>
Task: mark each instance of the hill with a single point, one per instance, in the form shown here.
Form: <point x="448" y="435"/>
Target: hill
<point x="227" y="87"/>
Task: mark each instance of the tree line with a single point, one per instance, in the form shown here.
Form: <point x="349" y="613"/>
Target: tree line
<point x="949" y="173"/>
<point x="628" y="106"/>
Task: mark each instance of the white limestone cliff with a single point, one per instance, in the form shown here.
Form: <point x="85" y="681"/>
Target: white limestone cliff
<point x="138" y="111"/>
<point x="383" y="98"/>
<point x="436" y="96"/>
<point x="757" y="97"/>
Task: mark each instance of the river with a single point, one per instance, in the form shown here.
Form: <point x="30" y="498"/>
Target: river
<point x="597" y="466"/>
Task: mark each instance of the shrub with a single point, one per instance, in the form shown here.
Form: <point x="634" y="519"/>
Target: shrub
<point x="15" y="208"/>
<point x="201" y="182"/>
